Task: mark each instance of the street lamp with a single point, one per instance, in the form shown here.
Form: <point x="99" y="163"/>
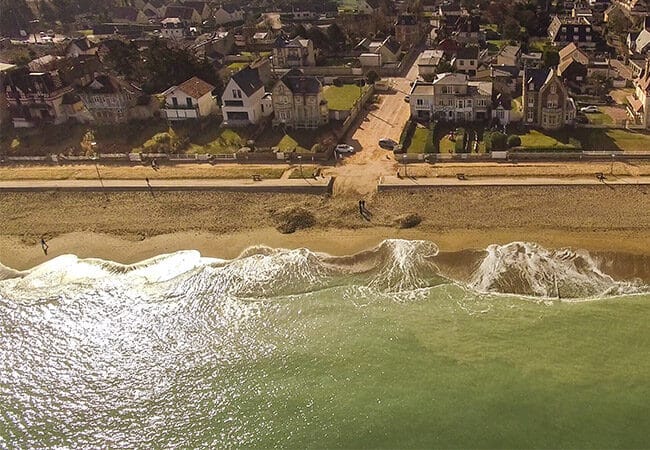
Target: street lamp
<point x="300" y="165"/>
<point x="95" y="158"/>
<point x="404" y="162"/>
<point x="611" y="170"/>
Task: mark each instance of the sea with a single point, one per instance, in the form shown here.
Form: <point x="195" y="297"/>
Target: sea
<point x="398" y="346"/>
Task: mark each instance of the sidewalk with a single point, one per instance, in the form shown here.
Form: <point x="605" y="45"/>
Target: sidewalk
<point x="392" y="182"/>
<point x="306" y="185"/>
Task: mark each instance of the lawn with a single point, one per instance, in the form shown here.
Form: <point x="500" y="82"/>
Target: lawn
<point x="217" y="141"/>
<point x="342" y="98"/>
<point x="539" y="139"/>
<point x="298" y="140"/>
<point x="496" y="45"/>
<point x="538" y="45"/>
<point x="419" y="140"/>
<point x="599" y="119"/>
<point x="237" y="66"/>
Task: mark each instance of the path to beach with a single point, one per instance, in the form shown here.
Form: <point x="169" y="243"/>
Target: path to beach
<point x="359" y="174"/>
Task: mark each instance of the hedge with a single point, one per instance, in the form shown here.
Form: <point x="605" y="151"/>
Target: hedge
<point x="495" y="141"/>
<point x="407" y="134"/>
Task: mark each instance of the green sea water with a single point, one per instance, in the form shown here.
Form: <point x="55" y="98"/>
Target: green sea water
<point x="185" y="353"/>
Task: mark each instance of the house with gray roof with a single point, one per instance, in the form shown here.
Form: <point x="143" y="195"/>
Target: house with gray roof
<point x="546" y="101"/>
<point x="298" y="101"/>
<point x="245" y="100"/>
<point x="296" y="52"/>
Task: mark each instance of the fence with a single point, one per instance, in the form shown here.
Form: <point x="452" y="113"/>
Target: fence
<point x="354" y="112"/>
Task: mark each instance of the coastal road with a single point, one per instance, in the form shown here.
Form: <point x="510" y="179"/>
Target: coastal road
<point x="392" y="182"/>
<point x="307" y="185"/>
<point x="358" y="174"/>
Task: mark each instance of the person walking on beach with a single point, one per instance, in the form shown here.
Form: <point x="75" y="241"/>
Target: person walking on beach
<point x="44" y="246"/>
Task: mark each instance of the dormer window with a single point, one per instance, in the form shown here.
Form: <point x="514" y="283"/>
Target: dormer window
<point x="553" y="89"/>
<point x="531" y="87"/>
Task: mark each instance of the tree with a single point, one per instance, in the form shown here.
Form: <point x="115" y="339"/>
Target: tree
<point x="336" y="37"/>
<point x="14" y="16"/>
<point x="444" y="67"/>
<point x="617" y="22"/>
<point x="372" y="77"/>
<point x="511" y="29"/>
<point x="551" y="58"/>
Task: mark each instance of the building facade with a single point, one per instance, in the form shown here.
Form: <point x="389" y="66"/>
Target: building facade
<point x="244" y="100"/>
<point x="298" y="101"/>
<point x="451" y="97"/>
<point x="191" y="99"/>
<point x="545" y="99"/>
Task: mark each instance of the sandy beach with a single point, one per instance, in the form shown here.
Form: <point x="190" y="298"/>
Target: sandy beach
<point x="130" y="227"/>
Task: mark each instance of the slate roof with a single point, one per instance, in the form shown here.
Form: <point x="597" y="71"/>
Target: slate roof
<point x="248" y="80"/>
<point x="195" y="87"/>
<point x="407" y="19"/>
<point x="230" y="8"/>
<point x="83" y="43"/>
<point x="299" y="83"/>
<point x="537" y="76"/>
<point x="124" y="13"/>
<point x="470" y="52"/>
<point x="392" y="45"/>
<point x="182" y="12"/>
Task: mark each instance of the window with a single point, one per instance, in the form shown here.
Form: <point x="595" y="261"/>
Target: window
<point x="175" y="102"/>
<point x="531" y="87"/>
<point x="529" y="117"/>
<point x="189" y="102"/>
<point x="553" y="89"/>
<point x="419" y="102"/>
<point x="471" y="63"/>
<point x="461" y="62"/>
<point x="500" y="114"/>
<point x="236" y="93"/>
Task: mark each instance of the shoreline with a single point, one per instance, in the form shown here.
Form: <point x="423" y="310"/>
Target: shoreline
<point x="20" y="255"/>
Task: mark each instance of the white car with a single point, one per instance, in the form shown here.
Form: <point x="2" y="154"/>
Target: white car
<point x="344" y="148"/>
<point x="589" y="109"/>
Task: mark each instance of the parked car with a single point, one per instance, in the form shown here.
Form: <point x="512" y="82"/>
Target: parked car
<point x="344" y="148"/>
<point x="589" y="109"/>
<point x="387" y="143"/>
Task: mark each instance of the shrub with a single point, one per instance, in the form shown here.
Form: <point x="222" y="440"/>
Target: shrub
<point x="430" y="145"/>
<point x="495" y="141"/>
<point x="316" y="148"/>
<point x="514" y="141"/>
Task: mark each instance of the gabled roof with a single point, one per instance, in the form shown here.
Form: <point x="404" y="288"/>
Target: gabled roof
<point x="392" y="45"/>
<point x="537" y="76"/>
<point x="504" y="71"/>
<point x="407" y="19"/>
<point x="283" y="41"/>
<point x="182" y="12"/>
<point x="124" y="13"/>
<point x="107" y="84"/>
<point x="568" y="62"/>
<point x="299" y="83"/>
<point x="374" y="4"/>
<point x="198" y="6"/>
<point x="510" y="51"/>
<point x="156" y="3"/>
<point x="502" y="100"/>
<point x="642" y="41"/>
<point x="248" y="80"/>
<point x="231" y="8"/>
<point x="470" y="52"/>
<point x="195" y="87"/>
<point x="83" y="43"/>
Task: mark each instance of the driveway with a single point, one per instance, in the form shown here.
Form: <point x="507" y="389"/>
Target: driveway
<point x="358" y="174"/>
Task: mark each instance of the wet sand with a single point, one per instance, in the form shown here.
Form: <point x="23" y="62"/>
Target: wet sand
<point x="132" y="226"/>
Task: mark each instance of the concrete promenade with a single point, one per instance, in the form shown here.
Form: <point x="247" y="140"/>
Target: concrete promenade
<point x="298" y="185"/>
<point x="393" y="182"/>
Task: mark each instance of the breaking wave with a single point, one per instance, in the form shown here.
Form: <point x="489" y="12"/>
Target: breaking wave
<point x="393" y="266"/>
